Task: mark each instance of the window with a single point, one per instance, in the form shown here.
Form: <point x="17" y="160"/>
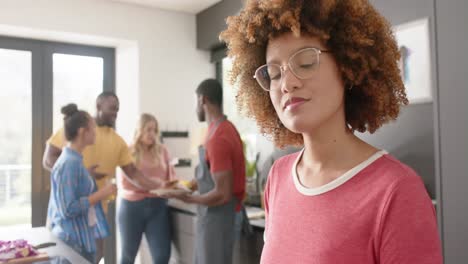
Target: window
<point x="37" y="79"/>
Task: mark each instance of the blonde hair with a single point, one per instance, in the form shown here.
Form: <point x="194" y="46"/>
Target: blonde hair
<point x="138" y="148"/>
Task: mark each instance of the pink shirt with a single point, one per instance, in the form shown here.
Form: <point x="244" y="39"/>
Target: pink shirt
<point x="378" y="212"/>
<point x="163" y="170"/>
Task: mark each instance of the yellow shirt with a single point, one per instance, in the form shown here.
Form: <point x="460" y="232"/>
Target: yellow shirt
<point x="109" y="151"/>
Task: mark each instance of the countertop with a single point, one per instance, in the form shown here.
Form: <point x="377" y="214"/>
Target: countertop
<point x="256" y="215"/>
<point x="182" y="206"/>
<point x="40" y="235"/>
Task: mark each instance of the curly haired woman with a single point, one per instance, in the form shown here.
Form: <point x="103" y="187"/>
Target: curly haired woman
<point x="311" y="73"/>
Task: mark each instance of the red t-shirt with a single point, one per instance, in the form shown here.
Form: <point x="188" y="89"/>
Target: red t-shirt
<point x="224" y="152"/>
<point x="378" y="212"/>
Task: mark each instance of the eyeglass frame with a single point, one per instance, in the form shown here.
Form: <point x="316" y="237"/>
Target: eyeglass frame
<point x="283" y="68"/>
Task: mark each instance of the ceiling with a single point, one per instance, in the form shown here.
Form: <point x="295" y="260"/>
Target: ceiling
<point x="186" y="6"/>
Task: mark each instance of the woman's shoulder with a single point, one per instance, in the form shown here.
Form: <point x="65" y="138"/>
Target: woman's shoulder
<point x="391" y="169"/>
<point x="284" y="164"/>
<point x="131" y="148"/>
<point x="388" y="175"/>
<point x="68" y="161"/>
<point x="287" y="160"/>
<point x="65" y="167"/>
<point x="164" y="150"/>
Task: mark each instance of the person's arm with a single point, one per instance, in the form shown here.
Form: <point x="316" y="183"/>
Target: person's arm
<point x="131" y="172"/>
<point x="102" y="193"/>
<point x="408" y="226"/>
<point x="171" y="175"/>
<point x="69" y="204"/>
<point x="266" y="204"/>
<point x="135" y="177"/>
<point x="219" y="195"/>
<point x="53" y="149"/>
<point x="51" y="154"/>
<point x="219" y="154"/>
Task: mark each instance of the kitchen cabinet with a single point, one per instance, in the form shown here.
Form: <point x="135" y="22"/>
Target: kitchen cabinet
<point x="247" y="249"/>
<point x="183" y="234"/>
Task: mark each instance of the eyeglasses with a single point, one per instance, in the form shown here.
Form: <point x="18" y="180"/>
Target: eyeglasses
<point x="303" y="64"/>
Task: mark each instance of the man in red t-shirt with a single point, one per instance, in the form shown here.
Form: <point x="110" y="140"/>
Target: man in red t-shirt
<point x="220" y="177"/>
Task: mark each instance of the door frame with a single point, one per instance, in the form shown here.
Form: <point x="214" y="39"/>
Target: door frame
<point x="42" y="96"/>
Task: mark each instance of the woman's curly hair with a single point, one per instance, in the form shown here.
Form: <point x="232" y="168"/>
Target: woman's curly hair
<point x="361" y="41"/>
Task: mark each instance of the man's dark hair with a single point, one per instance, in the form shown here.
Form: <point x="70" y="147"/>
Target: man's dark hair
<point x="212" y="90"/>
<point x="106" y="94"/>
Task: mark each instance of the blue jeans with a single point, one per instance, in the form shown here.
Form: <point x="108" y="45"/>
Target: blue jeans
<point x="151" y="217"/>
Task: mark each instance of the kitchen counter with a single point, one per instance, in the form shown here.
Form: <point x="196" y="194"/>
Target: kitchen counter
<point x="182" y="206"/>
<point x="247" y="249"/>
<point x="256" y="215"/>
<point x="61" y="252"/>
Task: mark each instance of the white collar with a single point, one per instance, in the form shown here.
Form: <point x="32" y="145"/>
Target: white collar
<point x="336" y="182"/>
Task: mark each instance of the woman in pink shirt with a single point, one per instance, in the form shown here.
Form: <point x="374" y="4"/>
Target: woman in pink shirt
<point x="311" y="73"/>
<point x="140" y="212"/>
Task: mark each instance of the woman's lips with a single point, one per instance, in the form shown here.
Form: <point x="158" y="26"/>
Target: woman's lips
<point x="293" y="103"/>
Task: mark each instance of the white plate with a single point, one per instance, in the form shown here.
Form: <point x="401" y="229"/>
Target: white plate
<point x="169" y="191"/>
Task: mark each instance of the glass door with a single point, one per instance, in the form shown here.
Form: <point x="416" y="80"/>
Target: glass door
<point x="37" y="78"/>
<point x="15" y="137"/>
<point x="76" y="79"/>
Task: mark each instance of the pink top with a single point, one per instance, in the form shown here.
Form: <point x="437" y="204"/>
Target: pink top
<point x="378" y="212"/>
<point x="164" y="170"/>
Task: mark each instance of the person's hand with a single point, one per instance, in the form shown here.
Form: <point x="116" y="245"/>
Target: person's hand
<point x="169" y="184"/>
<point x="109" y="189"/>
<point x="96" y="175"/>
<point x="191" y="185"/>
<point x="166" y="196"/>
<point x="194" y="185"/>
<point x="156" y="184"/>
<point x="185" y="197"/>
<point x="102" y="193"/>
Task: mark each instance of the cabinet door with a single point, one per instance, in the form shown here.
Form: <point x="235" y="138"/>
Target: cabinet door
<point x="183" y="237"/>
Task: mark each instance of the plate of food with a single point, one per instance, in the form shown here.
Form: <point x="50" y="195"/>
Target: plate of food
<point x="187" y="185"/>
<point x="169" y="191"/>
<point x="175" y="187"/>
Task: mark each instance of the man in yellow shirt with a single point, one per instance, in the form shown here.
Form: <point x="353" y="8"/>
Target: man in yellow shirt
<point x="108" y="152"/>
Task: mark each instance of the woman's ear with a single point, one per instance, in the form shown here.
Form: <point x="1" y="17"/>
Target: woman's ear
<point x="202" y="99"/>
<point x="81" y="131"/>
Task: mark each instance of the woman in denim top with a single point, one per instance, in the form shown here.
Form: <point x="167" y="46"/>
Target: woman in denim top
<point x="75" y="212"/>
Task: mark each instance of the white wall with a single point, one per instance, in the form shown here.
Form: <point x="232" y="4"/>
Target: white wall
<point x="158" y="65"/>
